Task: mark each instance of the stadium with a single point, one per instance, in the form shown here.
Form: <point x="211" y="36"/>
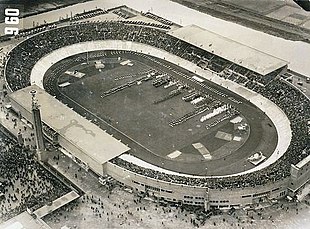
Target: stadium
<point x="176" y="113"/>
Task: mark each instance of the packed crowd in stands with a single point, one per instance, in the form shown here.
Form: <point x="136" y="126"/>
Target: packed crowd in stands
<point x="291" y="101"/>
<point x="38" y="29"/>
<point x="25" y="183"/>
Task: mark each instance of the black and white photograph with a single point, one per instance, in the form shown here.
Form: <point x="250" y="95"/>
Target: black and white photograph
<point x="154" y="114"/>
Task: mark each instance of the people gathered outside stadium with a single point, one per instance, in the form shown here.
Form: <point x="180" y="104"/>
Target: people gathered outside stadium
<point x="290" y="100"/>
<point x="24" y="183"/>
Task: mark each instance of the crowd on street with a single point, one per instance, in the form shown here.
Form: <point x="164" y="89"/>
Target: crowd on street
<point x="24" y="182"/>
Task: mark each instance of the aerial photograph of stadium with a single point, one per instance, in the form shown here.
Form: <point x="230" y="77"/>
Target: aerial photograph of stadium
<point x="154" y="114"/>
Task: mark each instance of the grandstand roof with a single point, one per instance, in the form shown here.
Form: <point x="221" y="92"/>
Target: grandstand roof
<point x="85" y="135"/>
<point x="303" y="162"/>
<point x="228" y="49"/>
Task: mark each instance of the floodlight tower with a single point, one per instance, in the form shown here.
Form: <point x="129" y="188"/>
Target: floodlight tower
<point x="36" y="115"/>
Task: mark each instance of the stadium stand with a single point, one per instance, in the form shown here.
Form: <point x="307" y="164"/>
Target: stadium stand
<point x="295" y="105"/>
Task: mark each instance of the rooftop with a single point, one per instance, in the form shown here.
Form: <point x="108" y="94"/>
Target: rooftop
<point x="24" y="221"/>
<point x="228" y="49"/>
<point x="303" y="162"/>
<point x="85" y="135"/>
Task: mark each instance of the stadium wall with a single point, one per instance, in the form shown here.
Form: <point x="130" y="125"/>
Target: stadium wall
<point x="299" y="176"/>
<point x="19" y="108"/>
<point x="168" y="191"/>
<point x="241" y="197"/>
<point x="86" y="159"/>
<point x="276" y="115"/>
<point x="195" y="195"/>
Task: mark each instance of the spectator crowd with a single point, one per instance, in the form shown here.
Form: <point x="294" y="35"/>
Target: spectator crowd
<point x="24" y="182"/>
